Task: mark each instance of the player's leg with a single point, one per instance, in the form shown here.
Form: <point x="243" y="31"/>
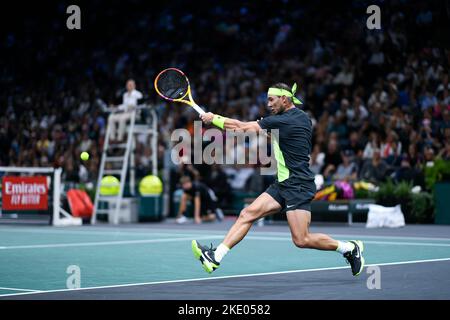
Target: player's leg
<point x="262" y="206"/>
<point x="210" y="258"/>
<point x="299" y="221"/>
<point x="298" y="197"/>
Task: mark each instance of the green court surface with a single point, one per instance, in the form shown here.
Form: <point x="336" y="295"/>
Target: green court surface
<point x="39" y="258"/>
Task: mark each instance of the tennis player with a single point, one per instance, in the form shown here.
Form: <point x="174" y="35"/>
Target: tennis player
<point x="293" y="190"/>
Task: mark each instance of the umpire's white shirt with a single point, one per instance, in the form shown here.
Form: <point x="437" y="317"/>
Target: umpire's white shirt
<point x="130" y="99"/>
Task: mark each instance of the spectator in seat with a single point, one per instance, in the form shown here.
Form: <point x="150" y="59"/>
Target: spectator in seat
<point x="445" y="152"/>
<point x="316" y="160"/>
<point x="347" y="170"/>
<point x="391" y="148"/>
<point x="332" y="159"/>
<point x="372" y="144"/>
<point x="408" y="173"/>
<point x="375" y="170"/>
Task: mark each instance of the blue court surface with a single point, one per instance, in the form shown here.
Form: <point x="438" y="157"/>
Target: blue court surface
<point x="154" y="261"/>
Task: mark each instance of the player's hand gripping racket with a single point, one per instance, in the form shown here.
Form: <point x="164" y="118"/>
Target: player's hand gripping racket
<point x="173" y="85"/>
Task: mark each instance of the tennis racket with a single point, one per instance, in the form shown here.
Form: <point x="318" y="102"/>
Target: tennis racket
<point x="173" y="85"/>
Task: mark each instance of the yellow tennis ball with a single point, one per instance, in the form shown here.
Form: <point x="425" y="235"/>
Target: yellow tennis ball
<point x="84" y="156"/>
<point x="150" y="185"/>
<point x="109" y="186"/>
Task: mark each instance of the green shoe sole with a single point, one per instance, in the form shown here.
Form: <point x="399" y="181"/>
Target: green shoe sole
<point x="207" y="268"/>
<point x="196" y="250"/>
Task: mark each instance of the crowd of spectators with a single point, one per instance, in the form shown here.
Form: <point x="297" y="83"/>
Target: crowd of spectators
<point x="378" y="99"/>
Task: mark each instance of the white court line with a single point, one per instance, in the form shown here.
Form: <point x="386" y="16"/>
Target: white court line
<point x="194" y="233"/>
<point x="225" y="277"/>
<point x="357" y="236"/>
<point x="17" y="289"/>
<point x="205" y="237"/>
<point x="120" y="232"/>
<point x="259" y="231"/>
<point x="409" y="243"/>
<point x="365" y="241"/>
<point x="103" y="243"/>
<point x="103" y="233"/>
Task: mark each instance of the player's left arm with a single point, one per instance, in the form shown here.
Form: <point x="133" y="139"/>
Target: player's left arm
<point x="230" y="124"/>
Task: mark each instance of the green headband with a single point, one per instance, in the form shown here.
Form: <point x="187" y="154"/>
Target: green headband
<point x="283" y="92"/>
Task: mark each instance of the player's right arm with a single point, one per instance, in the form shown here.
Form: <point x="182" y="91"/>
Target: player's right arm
<point x="230" y="124"/>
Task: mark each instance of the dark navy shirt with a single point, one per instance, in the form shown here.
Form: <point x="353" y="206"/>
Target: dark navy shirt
<point x="292" y="148"/>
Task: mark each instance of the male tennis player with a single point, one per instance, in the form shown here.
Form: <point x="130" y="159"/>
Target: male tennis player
<point x="291" y="193"/>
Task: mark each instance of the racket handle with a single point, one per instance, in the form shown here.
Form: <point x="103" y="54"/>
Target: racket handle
<point x="198" y="109"/>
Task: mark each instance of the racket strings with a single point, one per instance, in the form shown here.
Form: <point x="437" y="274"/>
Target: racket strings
<point x="172" y="84"/>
